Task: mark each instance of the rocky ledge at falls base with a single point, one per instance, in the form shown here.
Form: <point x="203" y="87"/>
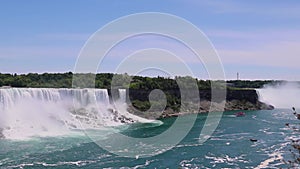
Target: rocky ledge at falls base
<point x="243" y="99"/>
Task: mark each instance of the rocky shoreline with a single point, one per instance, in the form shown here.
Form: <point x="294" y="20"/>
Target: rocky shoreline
<point x="246" y="99"/>
<point x="218" y="107"/>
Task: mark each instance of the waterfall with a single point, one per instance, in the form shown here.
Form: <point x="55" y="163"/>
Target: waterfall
<point x="26" y="112"/>
<point x="13" y="96"/>
<point x="122" y="95"/>
<point x="281" y="96"/>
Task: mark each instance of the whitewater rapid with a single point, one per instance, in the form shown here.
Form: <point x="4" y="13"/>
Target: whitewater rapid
<point x="27" y="112"/>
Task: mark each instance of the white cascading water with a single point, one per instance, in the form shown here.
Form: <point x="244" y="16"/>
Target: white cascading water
<point x="122" y="95"/>
<point x="27" y="112"/>
<point x="121" y="105"/>
<point x="281" y="96"/>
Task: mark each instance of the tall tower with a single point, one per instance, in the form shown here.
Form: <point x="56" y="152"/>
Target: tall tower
<point x="237" y="76"/>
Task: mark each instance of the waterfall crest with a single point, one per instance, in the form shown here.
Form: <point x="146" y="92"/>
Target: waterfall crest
<point x="26" y="112"/>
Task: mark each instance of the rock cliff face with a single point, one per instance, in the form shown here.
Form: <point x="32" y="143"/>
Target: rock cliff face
<point x="244" y="94"/>
<point x="246" y="99"/>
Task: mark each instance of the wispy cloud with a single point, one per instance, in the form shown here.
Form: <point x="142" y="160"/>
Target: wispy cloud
<point x="64" y="36"/>
<point x="278" y="9"/>
<point x="37" y="59"/>
<point x="280" y="54"/>
<point x="271" y="47"/>
<point x="262" y="34"/>
<point x="32" y="52"/>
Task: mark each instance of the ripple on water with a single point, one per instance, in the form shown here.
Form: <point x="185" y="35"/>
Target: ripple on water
<point x="230" y="137"/>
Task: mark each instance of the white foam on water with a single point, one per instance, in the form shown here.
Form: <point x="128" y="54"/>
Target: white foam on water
<point x="276" y="156"/>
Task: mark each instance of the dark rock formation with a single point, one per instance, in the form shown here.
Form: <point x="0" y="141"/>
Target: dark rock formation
<point x="1" y="134"/>
<point x="243" y="94"/>
<point x="244" y="99"/>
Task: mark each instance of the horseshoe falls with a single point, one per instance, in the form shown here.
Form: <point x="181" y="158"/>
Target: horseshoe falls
<point x="281" y="96"/>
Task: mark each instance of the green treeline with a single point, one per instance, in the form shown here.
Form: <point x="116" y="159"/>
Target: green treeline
<point x="251" y="84"/>
<point x="106" y="80"/>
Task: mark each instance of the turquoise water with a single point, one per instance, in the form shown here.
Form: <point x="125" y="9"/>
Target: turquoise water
<point x="229" y="146"/>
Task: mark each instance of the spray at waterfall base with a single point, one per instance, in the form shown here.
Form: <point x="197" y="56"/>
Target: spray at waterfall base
<point x="30" y="112"/>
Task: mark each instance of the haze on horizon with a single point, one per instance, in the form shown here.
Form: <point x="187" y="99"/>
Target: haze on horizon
<point x="258" y="39"/>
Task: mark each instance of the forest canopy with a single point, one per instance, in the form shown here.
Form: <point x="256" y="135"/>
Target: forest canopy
<point x="104" y="81"/>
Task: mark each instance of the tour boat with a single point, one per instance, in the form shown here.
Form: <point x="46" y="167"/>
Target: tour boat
<point x="240" y="114"/>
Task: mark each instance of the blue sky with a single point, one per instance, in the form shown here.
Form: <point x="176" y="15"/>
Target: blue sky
<point x="258" y="39"/>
